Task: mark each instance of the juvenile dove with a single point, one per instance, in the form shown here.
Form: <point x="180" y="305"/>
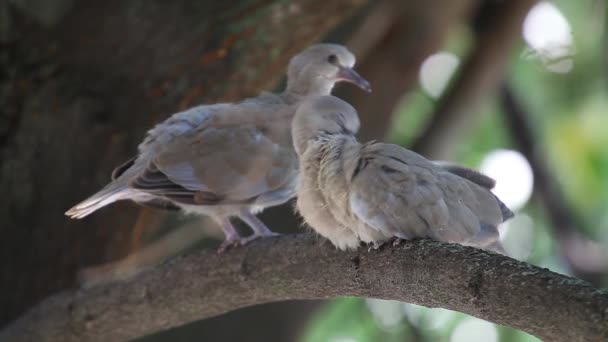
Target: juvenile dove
<point x="350" y="192"/>
<point x="227" y="159"/>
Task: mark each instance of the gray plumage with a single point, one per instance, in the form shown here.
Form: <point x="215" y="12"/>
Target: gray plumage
<point x="351" y="192"/>
<point x="227" y="159"/>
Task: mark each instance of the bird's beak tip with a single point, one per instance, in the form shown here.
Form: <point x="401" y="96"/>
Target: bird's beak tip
<point x="349" y="75"/>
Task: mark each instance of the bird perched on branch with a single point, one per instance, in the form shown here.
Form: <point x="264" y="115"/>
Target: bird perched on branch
<point x="227" y="159"/>
<point x="351" y="192"/>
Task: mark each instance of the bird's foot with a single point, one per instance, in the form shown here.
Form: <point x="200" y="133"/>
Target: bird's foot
<point x="259" y="228"/>
<point x="229" y="243"/>
<point x="256" y="236"/>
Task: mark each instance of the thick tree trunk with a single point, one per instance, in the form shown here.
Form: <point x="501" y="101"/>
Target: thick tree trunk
<point x="83" y="82"/>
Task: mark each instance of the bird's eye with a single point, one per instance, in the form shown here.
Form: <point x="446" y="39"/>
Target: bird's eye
<point x="332" y="59"/>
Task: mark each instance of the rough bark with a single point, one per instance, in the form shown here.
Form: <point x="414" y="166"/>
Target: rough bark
<point x="82" y="81"/>
<point x="551" y="306"/>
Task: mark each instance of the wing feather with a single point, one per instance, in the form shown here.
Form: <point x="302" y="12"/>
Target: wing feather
<point x="398" y="194"/>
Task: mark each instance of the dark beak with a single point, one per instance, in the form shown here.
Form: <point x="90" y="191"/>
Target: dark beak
<point x="349" y="75"/>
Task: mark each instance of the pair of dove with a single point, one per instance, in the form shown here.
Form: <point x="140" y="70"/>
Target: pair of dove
<point x="235" y="159"/>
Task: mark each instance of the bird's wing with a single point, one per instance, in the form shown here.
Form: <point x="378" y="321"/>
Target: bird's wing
<point x="397" y="191"/>
<point x="480" y="179"/>
<point x="223" y="164"/>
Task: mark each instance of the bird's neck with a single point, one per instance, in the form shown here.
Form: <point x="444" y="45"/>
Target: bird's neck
<point x="299" y="88"/>
<point x="339" y="152"/>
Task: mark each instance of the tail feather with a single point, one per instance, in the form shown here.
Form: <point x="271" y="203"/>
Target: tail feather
<point x="505" y="211"/>
<point x="469" y="174"/>
<point x="111" y="193"/>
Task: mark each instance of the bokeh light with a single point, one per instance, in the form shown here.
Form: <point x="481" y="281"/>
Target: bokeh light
<point x="474" y="330"/>
<point x="513" y="175"/>
<point x="343" y="339"/>
<point x="548" y="34"/>
<point x="436" y="71"/>
<point x="517" y="237"/>
<point x="387" y="312"/>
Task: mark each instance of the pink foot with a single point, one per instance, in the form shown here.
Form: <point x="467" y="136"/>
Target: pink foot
<point x="229" y="243"/>
<point x="256" y="236"/>
<point x="233" y="238"/>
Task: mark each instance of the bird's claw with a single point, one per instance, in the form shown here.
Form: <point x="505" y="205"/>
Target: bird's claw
<point x="256" y="236"/>
<point x="229" y="243"/>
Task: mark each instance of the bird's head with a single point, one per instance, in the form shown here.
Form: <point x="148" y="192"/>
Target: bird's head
<point x="315" y="70"/>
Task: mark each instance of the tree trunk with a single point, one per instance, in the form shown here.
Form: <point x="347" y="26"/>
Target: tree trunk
<point x="81" y="84"/>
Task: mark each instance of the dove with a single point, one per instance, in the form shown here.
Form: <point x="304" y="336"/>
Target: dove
<point x="374" y="192"/>
<point x="227" y="160"/>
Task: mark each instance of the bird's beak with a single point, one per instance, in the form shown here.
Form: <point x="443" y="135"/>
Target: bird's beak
<point x="349" y="75"/>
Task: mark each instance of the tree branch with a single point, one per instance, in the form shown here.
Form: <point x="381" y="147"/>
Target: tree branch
<point x="424" y="272"/>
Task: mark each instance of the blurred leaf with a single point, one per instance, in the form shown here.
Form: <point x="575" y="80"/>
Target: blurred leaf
<point x="344" y="319"/>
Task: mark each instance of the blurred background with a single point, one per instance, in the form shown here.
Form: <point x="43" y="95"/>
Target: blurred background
<point x="514" y="88"/>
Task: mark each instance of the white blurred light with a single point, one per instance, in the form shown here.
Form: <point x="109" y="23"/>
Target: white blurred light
<point x="343" y="339"/>
<point x="561" y="66"/>
<point x="431" y="318"/>
<point x="388" y="312"/>
<point x="513" y="175"/>
<point x="413" y="312"/>
<point x="517" y="236"/>
<point x="440" y="318"/>
<point x="474" y="330"/>
<point x="436" y="72"/>
<point x="548" y="34"/>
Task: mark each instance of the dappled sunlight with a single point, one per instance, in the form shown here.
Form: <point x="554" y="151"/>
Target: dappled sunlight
<point x="513" y="175"/>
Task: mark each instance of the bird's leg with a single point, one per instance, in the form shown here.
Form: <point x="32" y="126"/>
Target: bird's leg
<point x="258" y="227"/>
<point x="232" y="236"/>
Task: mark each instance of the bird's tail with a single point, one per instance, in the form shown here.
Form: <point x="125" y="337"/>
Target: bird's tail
<point x="505" y="211"/>
<point x="113" y="192"/>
